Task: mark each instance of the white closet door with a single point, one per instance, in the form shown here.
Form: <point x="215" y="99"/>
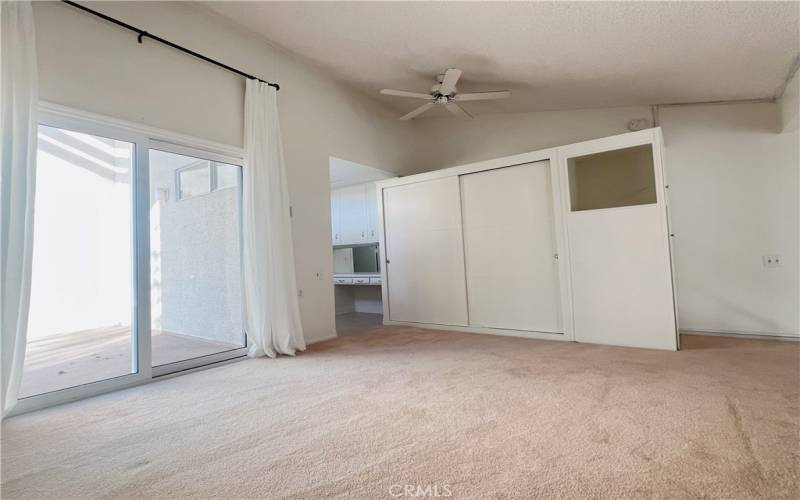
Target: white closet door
<point x="509" y="245"/>
<point x="619" y="250"/>
<point x="424" y="253"/>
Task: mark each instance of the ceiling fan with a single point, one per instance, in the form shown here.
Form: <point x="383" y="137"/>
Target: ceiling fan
<point x="445" y="93"/>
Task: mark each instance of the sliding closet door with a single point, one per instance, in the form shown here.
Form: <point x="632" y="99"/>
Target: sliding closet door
<point x="618" y="238"/>
<point x="509" y="245"/>
<point x="424" y="253"/>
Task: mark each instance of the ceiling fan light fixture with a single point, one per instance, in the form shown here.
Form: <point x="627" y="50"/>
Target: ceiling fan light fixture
<point x="445" y="93"/>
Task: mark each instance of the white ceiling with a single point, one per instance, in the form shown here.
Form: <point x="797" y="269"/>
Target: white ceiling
<point x="550" y="55"/>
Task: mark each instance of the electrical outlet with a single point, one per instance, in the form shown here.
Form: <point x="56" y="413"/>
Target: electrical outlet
<point x="772" y="260"/>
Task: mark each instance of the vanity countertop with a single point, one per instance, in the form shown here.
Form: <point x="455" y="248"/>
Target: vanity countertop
<point x="357" y="275"/>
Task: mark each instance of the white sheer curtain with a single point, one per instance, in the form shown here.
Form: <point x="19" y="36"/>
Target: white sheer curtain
<point x="18" y="126"/>
<point x="272" y="314"/>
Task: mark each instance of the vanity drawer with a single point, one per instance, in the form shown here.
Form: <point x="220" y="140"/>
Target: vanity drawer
<point x="343" y="281"/>
<point x="361" y="281"/>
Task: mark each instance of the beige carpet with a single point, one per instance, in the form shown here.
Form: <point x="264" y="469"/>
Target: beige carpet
<point x="474" y="415"/>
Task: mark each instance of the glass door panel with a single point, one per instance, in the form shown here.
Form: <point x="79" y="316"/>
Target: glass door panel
<point x="609" y="179"/>
<point x="80" y="323"/>
<point x="195" y="264"/>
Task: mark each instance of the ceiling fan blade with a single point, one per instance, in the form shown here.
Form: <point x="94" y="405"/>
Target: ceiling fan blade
<point x="451" y="76"/>
<point x="457" y="110"/>
<point x="418" y="111"/>
<point x="483" y="96"/>
<point x="403" y="93"/>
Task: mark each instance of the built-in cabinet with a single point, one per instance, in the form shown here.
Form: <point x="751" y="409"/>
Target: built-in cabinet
<point x="354" y="215"/>
<point x="568" y="243"/>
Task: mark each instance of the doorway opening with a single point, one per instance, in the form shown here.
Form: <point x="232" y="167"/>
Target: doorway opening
<point x="356" y="248"/>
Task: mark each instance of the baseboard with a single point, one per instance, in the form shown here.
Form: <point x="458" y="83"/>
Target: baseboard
<point x="323" y="339"/>
<point x="491" y="331"/>
<point x="742" y="335"/>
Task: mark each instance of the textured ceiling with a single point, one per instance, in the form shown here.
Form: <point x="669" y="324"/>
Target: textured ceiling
<point x="550" y="55"/>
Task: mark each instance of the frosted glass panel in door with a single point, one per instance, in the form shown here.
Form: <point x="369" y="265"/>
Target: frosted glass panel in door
<point x="509" y="247"/>
<point x="424" y="250"/>
<point x="617" y="178"/>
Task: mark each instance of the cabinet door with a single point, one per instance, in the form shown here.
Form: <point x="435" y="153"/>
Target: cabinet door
<point x="336" y="208"/>
<point x="509" y="246"/>
<point x="425" y="253"/>
<point x="371" y="209"/>
<point x="619" y="252"/>
<point x="352" y="215"/>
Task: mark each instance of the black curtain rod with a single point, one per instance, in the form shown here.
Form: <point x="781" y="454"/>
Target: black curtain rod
<point x="142" y="34"/>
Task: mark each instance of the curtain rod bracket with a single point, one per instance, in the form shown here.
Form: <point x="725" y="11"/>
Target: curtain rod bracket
<point x="142" y="34"/>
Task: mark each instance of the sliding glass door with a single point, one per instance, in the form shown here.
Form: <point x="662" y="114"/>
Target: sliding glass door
<point x="81" y="312"/>
<point x="136" y="260"/>
<point x="195" y="265"/>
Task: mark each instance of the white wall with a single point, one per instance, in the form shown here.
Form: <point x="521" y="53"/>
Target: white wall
<point x="92" y="65"/>
<point x="790" y="105"/>
<point x="734" y="189"/>
<point x="367" y="299"/>
<point x="447" y="141"/>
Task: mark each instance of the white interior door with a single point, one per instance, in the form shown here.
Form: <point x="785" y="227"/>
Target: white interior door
<point x="618" y="238"/>
<point x="424" y="253"/>
<point x="509" y="245"/>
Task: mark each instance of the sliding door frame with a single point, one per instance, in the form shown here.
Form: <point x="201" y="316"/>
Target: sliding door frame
<point x="143" y="139"/>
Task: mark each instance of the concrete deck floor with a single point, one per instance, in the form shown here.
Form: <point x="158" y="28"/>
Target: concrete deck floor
<point x="70" y="359"/>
